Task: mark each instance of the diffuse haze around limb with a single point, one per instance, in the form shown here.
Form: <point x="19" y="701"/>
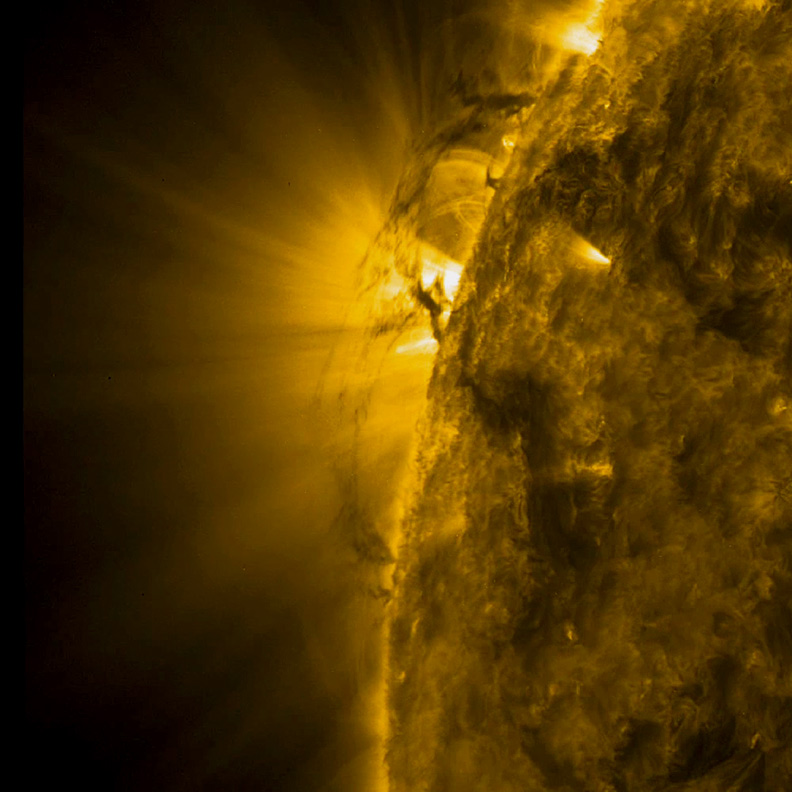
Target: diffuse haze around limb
<point x="263" y="243"/>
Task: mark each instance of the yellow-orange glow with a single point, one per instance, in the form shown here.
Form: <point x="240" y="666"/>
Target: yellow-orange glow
<point x="600" y="468"/>
<point x="423" y="344"/>
<point x="435" y="265"/>
<point x="584" y="36"/>
<point x="587" y="251"/>
<point x="579" y="38"/>
<point x="594" y="255"/>
<point x="541" y="547"/>
<point x="393" y="286"/>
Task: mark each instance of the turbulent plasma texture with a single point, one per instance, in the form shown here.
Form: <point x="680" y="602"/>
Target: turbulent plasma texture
<point x="593" y="581"/>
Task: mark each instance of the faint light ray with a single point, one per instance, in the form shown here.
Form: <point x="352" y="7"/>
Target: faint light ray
<point x="425" y="344"/>
<point x="455" y="204"/>
<point x="470" y="225"/>
<point x="293" y="265"/>
<point x="176" y="200"/>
